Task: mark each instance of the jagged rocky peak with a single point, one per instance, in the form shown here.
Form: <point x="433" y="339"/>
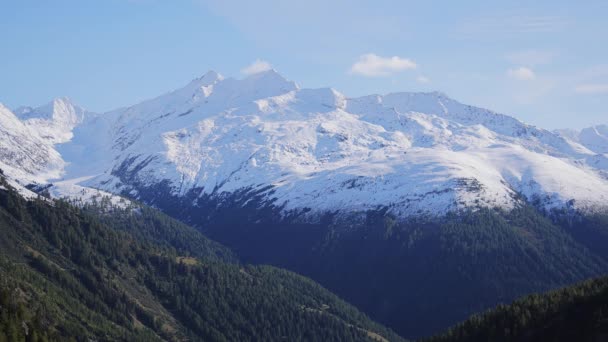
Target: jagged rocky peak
<point x="54" y="121"/>
<point x="60" y="110"/>
<point x="594" y="138"/>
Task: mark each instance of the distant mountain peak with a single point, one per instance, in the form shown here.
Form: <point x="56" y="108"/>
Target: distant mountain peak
<point x="211" y="76"/>
<point x="270" y="78"/>
<point x="594" y="138"/>
<point x="60" y="108"/>
<point x="54" y="120"/>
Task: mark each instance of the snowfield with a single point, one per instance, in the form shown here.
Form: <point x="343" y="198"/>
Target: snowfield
<point x="314" y="149"/>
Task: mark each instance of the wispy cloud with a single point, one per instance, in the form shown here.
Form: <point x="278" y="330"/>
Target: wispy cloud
<point x="592" y="80"/>
<point x="521" y="74"/>
<point x="592" y="88"/>
<point x="495" y="26"/>
<point x="256" y="67"/>
<point x="372" y="65"/>
<point x="594" y="72"/>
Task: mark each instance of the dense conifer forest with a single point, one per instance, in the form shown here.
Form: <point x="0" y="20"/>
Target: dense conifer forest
<point x="105" y="273"/>
<point x="422" y="276"/>
<point x="576" y="313"/>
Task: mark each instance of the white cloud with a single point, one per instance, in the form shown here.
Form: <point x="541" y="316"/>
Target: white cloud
<point x="256" y="67"/>
<point x="521" y="74"/>
<point x="423" y="79"/>
<point x="372" y="65"/>
<point x="592" y="88"/>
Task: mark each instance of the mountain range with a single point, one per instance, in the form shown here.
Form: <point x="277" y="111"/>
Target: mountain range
<point x="415" y="208"/>
<point x="309" y="151"/>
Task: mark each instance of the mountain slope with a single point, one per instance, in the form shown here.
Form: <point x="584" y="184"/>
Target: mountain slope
<point x="422" y="276"/>
<point x="23" y="153"/>
<point x="576" y="313"/>
<point x="594" y="138"/>
<point x="381" y="196"/>
<point x="136" y="275"/>
<point x="313" y="151"/>
<point x="317" y="151"/>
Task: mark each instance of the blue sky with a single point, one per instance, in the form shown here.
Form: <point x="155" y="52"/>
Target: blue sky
<point x="544" y="62"/>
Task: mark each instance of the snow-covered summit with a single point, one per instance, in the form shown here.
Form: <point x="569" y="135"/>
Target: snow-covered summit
<point x="594" y="138"/>
<point x="23" y="153"/>
<point x="55" y="120"/>
<point x="317" y="150"/>
<point x="415" y="153"/>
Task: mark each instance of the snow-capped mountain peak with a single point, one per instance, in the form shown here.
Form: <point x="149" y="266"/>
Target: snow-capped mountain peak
<point x="254" y="87"/>
<point x="317" y="150"/>
<point x="24" y="154"/>
<point x="594" y="138"/>
<point x="211" y="76"/>
<point x="53" y="121"/>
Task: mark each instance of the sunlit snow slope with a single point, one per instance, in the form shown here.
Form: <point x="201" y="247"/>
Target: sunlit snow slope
<point x="318" y="150"/>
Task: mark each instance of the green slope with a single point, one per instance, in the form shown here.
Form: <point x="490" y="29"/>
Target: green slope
<point x="68" y="273"/>
<point x="576" y="313"/>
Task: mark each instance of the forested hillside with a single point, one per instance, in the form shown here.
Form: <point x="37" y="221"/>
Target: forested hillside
<point x="422" y="276"/>
<point x="136" y="275"/>
<point x="576" y="313"/>
<point x="132" y="273"/>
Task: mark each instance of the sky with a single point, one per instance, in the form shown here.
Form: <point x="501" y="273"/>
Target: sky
<point x="544" y="62"/>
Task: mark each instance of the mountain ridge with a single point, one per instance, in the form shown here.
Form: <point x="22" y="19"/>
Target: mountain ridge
<point x="415" y="153"/>
<point x="362" y="194"/>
